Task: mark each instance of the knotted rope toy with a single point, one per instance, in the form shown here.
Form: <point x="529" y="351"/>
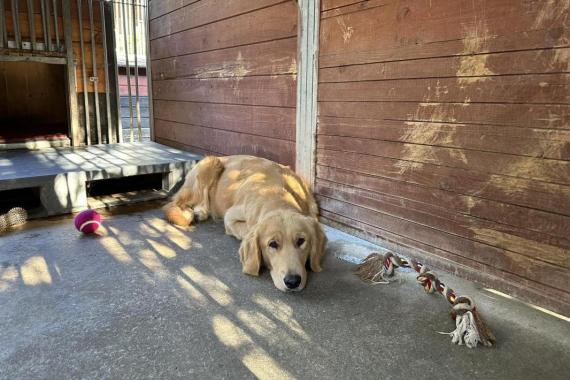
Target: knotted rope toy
<point x="470" y="329"/>
<point x="12" y="219"/>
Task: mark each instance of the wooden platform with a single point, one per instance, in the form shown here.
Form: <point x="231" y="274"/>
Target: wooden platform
<point x="64" y="180"/>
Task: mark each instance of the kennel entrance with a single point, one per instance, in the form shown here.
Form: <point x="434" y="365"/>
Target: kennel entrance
<point x="60" y="65"/>
<point x="33" y="110"/>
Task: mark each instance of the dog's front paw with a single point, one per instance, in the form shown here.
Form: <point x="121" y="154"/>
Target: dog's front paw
<point x="200" y="214"/>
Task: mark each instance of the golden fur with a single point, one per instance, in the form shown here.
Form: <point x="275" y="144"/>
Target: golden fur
<point x="264" y="204"/>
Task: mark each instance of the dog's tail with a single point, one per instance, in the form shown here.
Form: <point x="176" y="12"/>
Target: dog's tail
<point x="195" y="193"/>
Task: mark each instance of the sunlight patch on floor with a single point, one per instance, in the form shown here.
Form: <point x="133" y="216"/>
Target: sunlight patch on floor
<point x="254" y="358"/>
<point x="35" y="271"/>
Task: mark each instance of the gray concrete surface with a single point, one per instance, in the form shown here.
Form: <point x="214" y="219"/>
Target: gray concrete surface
<point x="61" y="174"/>
<point x="149" y="300"/>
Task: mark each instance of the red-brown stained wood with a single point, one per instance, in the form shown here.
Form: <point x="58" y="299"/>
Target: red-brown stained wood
<point x="227" y="142"/>
<point x="531" y="89"/>
<point x="420" y="29"/>
<point x="516" y="285"/>
<point x="555" y="171"/>
<point x="497" y="212"/>
<point x="276" y="22"/>
<point x="509" y="262"/>
<point x="275" y="122"/>
<point x="331" y="4"/>
<point x="471" y="66"/>
<point x="534" y="195"/>
<point x="530" y="244"/>
<point x="191" y="148"/>
<point x="271" y="58"/>
<point x="224" y="76"/>
<point x="345" y="7"/>
<point x="544" y="143"/>
<point x="159" y="8"/>
<point x="274" y="91"/>
<point x="202" y="13"/>
<point x="519" y="115"/>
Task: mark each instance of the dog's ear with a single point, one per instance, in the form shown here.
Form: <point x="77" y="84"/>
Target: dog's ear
<point x="250" y="254"/>
<point x="317" y="247"/>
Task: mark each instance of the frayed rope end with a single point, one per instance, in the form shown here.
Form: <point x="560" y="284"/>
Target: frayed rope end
<point x="470" y="329"/>
<point x="377" y="267"/>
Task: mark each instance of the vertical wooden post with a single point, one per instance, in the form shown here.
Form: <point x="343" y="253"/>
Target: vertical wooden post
<point x="149" y="69"/>
<point x="74" y="131"/>
<point x="307" y="72"/>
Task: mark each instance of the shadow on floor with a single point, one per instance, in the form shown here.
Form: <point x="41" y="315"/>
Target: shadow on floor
<point x="152" y="300"/>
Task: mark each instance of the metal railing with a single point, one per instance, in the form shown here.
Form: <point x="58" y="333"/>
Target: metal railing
<point x="131" y="32"/>
<point x="115" y="31"/>
<point x="11" y="33"/>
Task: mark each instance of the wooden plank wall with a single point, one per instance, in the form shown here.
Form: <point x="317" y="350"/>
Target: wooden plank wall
<point x="224" y="76"/>
<point x="444" y="128"/>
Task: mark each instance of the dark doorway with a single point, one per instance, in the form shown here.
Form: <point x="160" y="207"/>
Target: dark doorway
<point x="33" y="104"/>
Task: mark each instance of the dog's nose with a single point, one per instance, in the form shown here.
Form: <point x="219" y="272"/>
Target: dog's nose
<point x="292" y="281"/>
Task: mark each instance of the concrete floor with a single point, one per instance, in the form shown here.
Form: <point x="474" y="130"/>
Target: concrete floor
<point x="150" y="300"/>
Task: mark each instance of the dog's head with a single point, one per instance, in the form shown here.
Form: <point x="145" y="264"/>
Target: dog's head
<point x="284" y="242"/>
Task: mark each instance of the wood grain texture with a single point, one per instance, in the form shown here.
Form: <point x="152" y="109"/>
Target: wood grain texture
<point x="226" y="142"/>
<point x="545" y="116"/>
<point x="224" y="76"/>
<point x="531" y="142"/>
<point x="275" y="122"/>
<point x="264" y="25"/>
<point x="531" y="89"/>
<point x="344" y="7"/>
<point x="519" y="62"/>
<point x="503" y="260"/>
<point x="159" y="8"/>
<point x="277" y="91"/>
<point x="271" y="58"/>
<point x="202" y="13"/>
<point x="487" y="275"/>
<point x="541" y="169"/>
<point x="506" y="215"/>
<point x="533" y="245"/>
<point x="544" y="202"/>
<point x="421" y="29"/>
<point x="443" y="127"/>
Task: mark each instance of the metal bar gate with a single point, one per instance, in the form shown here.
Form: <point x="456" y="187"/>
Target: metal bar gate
<point x="103" y="46"/>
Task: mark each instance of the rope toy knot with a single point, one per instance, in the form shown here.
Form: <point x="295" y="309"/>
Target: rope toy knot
<point x="470" y="330"/>
<point x="428" y="280"/>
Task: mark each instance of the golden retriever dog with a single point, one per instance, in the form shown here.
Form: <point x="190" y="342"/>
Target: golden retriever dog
<point x="263" y="204"/>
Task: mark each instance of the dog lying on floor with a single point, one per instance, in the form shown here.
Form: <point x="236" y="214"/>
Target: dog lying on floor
<point x="263" y="204"/>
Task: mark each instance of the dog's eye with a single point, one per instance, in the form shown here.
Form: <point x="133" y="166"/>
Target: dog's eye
<point x="273" y="244"/>
<point x="300" y="242"/>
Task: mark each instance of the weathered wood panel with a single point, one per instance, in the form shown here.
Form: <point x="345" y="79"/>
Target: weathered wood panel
<point x="267" y="24"/>
<point x="488" y="275"/>
<point x="424" y="152"/>
<point x="544" y="116"/>
<point x="443" y="128"/>
<point x="536" y="89"/>
<point x="272" y="58"/>
<point x="532" y="142"/>
<point x="227" y="142"/>
<point x="410" y="29"/>
<point x="159" y="8"/>
<point x="224" y="76"/>
<point x="544" y="202"/>
<point x="255" y="120"/>
<point x="254" y="90"/>
<point x="202" y="13"/>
